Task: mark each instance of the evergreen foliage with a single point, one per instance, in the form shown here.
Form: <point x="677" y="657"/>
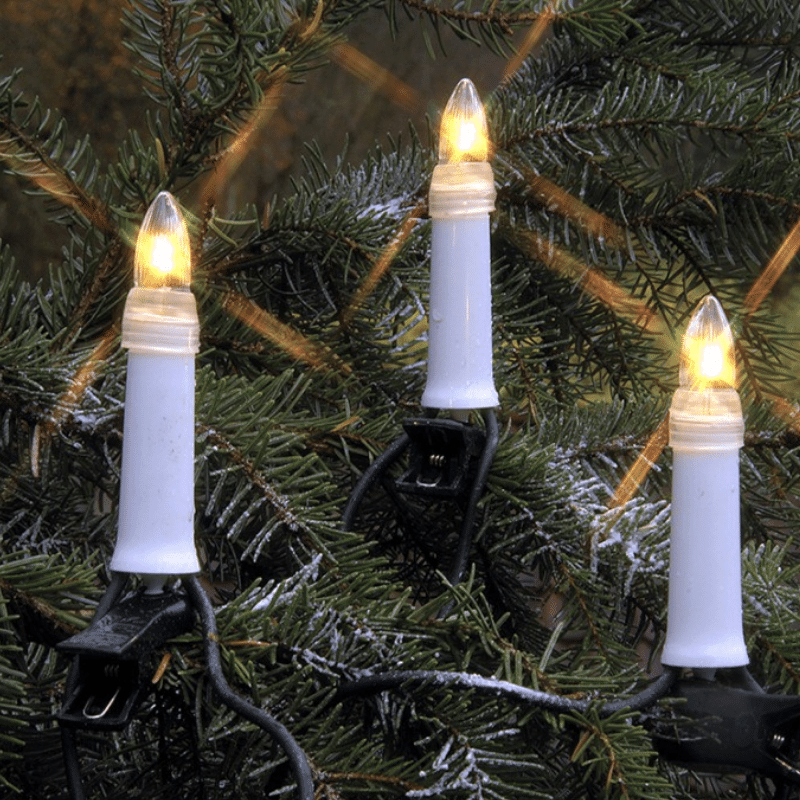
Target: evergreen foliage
<point x="645" y="154"/>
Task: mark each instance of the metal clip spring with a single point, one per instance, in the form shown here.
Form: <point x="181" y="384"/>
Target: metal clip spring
<point x="110" y="671"/>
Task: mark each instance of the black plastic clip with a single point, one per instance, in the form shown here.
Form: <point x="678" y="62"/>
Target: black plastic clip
<point x="110" y="671"/>
<point x="732" y="729"/>
<point x="443" y="453"/>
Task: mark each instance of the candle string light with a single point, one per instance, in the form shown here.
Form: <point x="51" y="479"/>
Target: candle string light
<point x="460" y="315"/>
<point x="460" y="377"/>
<point x="750" y="730"/>
<point x="107" y="678"/>
<point x="706" y="431"/>
<point x="160" y="329"/>
<point x="450" y="458"/>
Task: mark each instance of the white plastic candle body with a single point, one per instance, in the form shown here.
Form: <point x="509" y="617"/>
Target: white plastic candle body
<point x="156" y="504"/>
<point x="704" y="627"/>
<point x="460" y="308"/>
<point x="704" y="624"/>
<point x="461" y="198"/>
<point x="160" y="329"/>
<point x="156" y="523"/>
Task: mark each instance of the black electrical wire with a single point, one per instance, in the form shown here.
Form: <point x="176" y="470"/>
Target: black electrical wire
<point x="392" y="681"/>
<point x="388" y="681"/>
<point x="459" y="566"/>
<point x="746" y="680"/>
<point x="69" y="747"/>
<point x="116" y="586"/>
<point x="372" y="474"/>
<point x="69" y="752"/>
<point x="385" y="460"/>
<point x="297" y="758"/>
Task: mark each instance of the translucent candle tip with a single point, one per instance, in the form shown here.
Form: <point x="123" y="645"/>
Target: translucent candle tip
<point x="708" y="359"/>
<point x="163" y="252"/>
<point x="464" y="132"/>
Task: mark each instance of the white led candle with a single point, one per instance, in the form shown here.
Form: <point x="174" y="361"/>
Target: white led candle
<point x="706" y="431"/>
<point x="460" y="315"/>
<point x="160" y="329"/>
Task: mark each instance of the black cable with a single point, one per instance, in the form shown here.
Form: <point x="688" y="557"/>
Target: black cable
<point x="69" y="752"/>
<point x="647" y="697"/>
<point x="459" y="565"/>
<point x="376" y="470"/>
<point x="116" y="586"/>
<point x="297" y="758"/>
<point x="372" y="474"/>
<point x="746" y="680"/>
<point x="372" y="684"/>
<point x="69" y="747"/>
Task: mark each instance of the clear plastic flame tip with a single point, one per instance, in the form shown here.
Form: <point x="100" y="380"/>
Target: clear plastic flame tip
<point x="163" y="253"/>
<point x="464" y="133"/>
<point x="708" y="359"/>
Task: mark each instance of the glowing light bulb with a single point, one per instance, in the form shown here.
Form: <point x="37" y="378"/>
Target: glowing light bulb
<point x="708" y="359"/>
<point x="706" y="431"/>
<point x="163" y="254"/>
<point x="464" y="134"/>
<point x="712" y="361"/>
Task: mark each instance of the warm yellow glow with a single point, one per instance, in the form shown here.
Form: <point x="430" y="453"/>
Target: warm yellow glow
<point x="712" y="361"/>
<point x="163" y="252"/>
<point x="708" y="360"/>
<point x="162" y="256"/>
<point x="775" y="268"/>
<point x="377" y="77"/>
<point x="464" y="133"/>
<point x="640" y="468"/>
<point x="467" y="136"/>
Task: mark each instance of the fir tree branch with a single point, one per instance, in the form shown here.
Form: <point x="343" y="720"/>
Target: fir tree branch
<point x="30" y="158"/>
<point x="109" y="266"/>
<point x="281" y="504"/>
<point x="506" y="22"/>
<point x="366" y="778"/>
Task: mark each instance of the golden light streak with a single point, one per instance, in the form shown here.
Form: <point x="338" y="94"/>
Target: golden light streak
<point x="772" y="272"/>
<point x="611" y="294"/>
<point x="285" y="337"/>
<point x="786" y="411"/>
<point x="229" y="161"/>
<point x="43" y="173"/>
<point x="560" y="201"/>
<point x="70" y="400"/>
<point x="641" y="467"/>
<point x="82" y="379"/>
<point x="533" y="37"/>
<point x="382" y="264"/>
<point x="162" y="668"/>
<point x="372" y="73"/>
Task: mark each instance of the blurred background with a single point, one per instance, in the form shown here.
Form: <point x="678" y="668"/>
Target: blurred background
<point x="71" y="54"/>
